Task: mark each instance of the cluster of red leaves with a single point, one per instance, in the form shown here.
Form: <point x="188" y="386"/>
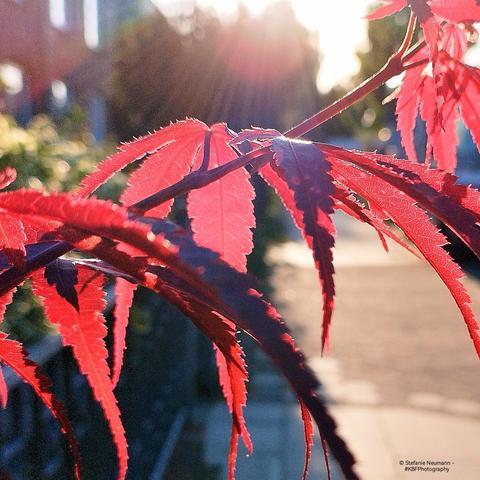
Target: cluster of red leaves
<point x="203" y="272"/>
<point x="432" y="12"/>
<point x="437" y="81"/>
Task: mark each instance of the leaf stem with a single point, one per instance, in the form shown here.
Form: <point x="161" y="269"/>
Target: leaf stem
<point x="389" y="70"/>
<point x="200" y="178"/>
<point x="13" y="276"/>
<point x="413" y="50"/>
<point x="412" y="22"/>
<point x="418" y="63"/>
<point x="206" y="151"/>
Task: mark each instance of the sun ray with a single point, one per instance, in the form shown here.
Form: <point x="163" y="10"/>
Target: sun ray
<point x="340" y="33"/>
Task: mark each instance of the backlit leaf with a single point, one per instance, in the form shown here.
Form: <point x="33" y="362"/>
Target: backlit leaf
<point x="12" y="354"/>
<point x="5" y="300"/>
<point x="222" y="212"/>
<point x="308" y="429"/>
<point x="417" y="227"/>
<point x="177" y="148"/>
<point x="149" y="145"/>
<point x="303" y="168"/>
<point x="12" y="238"/>
<point x="236" y="299"/>
<point x="458" y="206"/>
<point x="7" y="176"/>
<point x="83" y="329"/>
<point x="124" y="291"/>
<point x="388" y="7"/>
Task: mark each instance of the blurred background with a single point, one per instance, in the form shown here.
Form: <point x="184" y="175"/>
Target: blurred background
<point x="76" y="78"/>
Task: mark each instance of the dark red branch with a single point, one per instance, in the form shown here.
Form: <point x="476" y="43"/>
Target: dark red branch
<point x="393" y="67"/>
<point x="198" y="179"/>
<point x="206" y="151"/>
<point x="256" y="158"/>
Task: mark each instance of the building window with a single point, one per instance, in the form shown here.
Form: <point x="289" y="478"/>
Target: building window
<point x="91" y="23"/>
<point x="59" y="91"/>
<point x="15" y="92"/>
<point x="11" y="79"/>
<point x="58" y="13"/>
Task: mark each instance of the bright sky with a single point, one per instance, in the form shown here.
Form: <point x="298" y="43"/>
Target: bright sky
<point x="339" y="23"/>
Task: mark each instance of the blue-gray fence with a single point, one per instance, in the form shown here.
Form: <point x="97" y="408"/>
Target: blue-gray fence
<point x="158" y="386"/>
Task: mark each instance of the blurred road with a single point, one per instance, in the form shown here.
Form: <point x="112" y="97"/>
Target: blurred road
<point x="402" y="376"/>
<point x="395" y="324"/>
<point x="402" y="373"/>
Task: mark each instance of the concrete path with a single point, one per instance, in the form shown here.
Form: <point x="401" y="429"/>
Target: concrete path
<point x="274" y="423"/>
<point x="402" y="377"/>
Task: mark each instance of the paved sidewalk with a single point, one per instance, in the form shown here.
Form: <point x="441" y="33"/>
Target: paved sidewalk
<point x="382" y="436"/>
<point x="402" y="377"/>
<point x="274" y="423"/>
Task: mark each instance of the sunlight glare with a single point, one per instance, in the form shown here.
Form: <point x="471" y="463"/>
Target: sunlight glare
<point x="341" y="31"/>
<point x="340" y="26"/>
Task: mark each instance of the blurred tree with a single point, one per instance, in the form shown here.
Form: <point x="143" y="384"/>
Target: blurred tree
<point x="140" y="87"/>
<point x="255" y="70"/>
<point x="47" y="156"/>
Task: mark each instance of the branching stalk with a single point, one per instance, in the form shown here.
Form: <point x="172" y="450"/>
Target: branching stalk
<point x="395" y="65"/>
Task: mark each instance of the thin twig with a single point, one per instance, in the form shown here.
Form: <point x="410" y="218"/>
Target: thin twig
<point x="412" y="22"/>
<point x="392" y="68"/>
<point x="206" y="151"/>
<point x="199" y="179"/>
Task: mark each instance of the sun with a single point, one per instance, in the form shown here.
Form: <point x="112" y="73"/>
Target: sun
<point x="340" y="27"/>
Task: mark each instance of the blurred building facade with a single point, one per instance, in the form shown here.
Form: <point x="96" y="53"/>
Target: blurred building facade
<point x="53" y="53"/>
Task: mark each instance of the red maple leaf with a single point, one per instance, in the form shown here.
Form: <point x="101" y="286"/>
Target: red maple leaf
<point x="77" y="311"/>
<point x="440" y="90"/>
<point x="454" y="11"/>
